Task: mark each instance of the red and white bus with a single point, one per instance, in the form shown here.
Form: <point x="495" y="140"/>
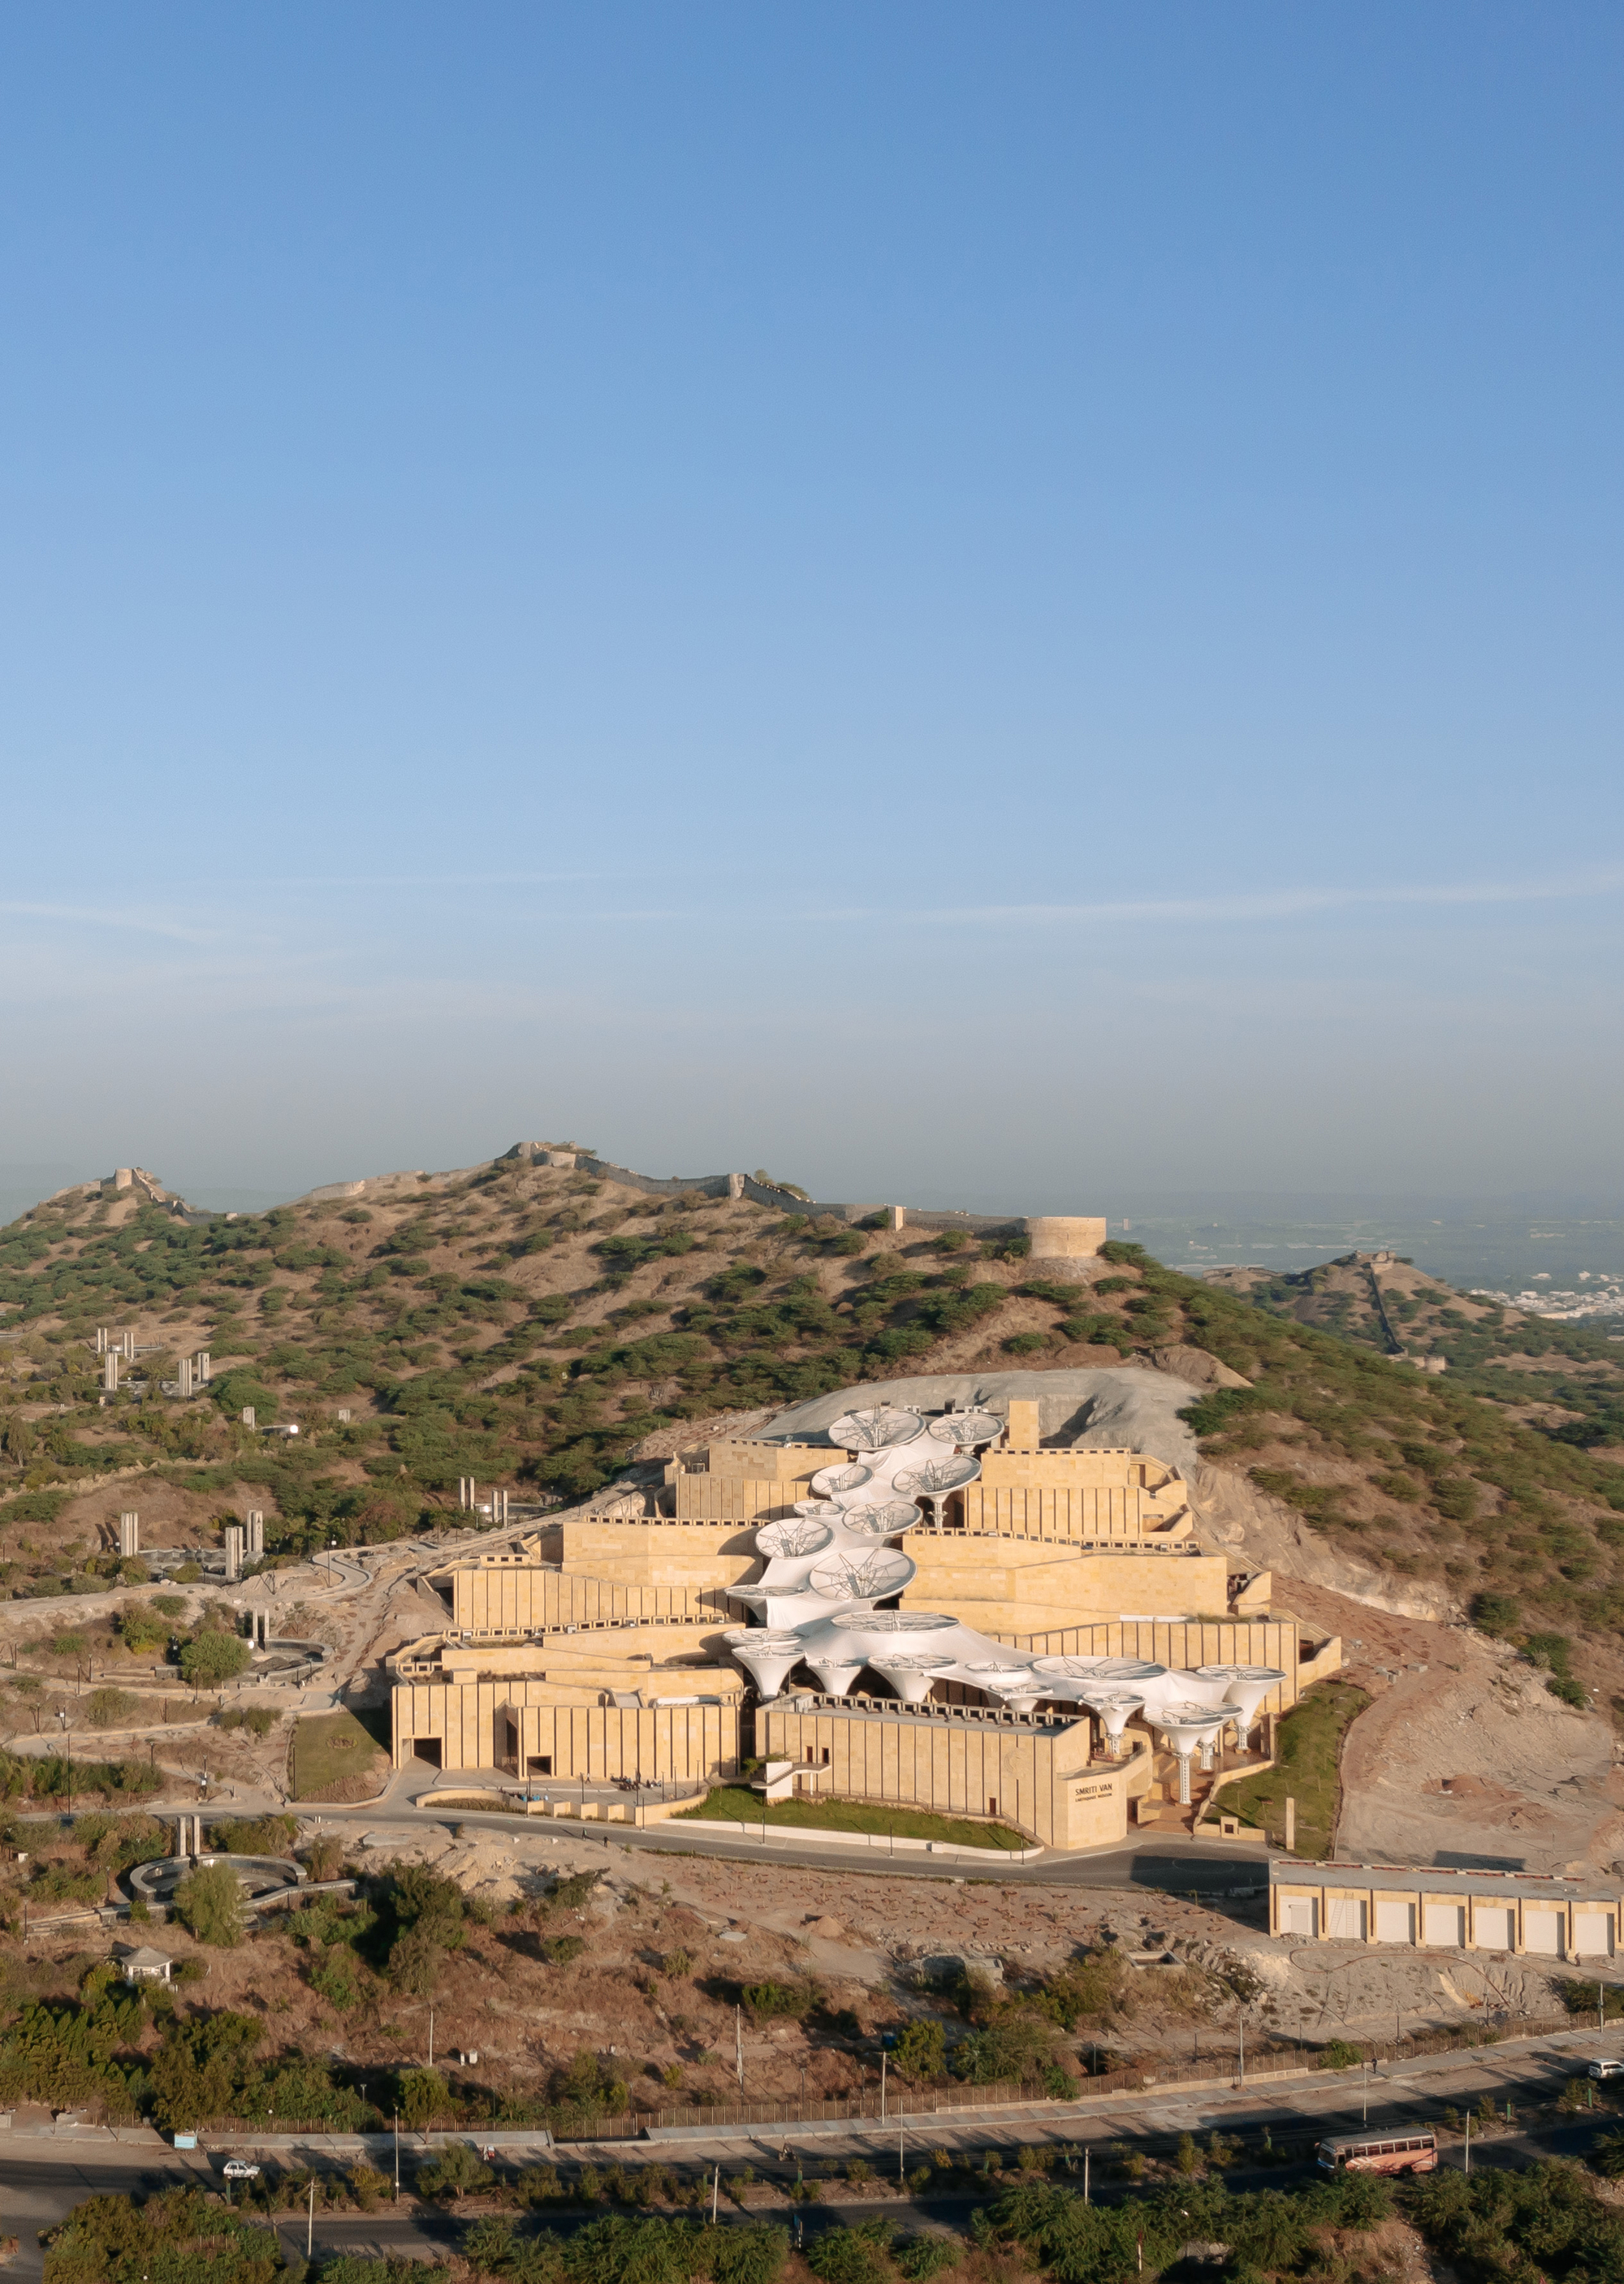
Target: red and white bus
<point x="1380" y="2153"/>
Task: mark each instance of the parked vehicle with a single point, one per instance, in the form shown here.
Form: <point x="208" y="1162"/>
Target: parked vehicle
<point x="1606" y="2066"/>
<point x="238" y="2169"/>
<point x="1379" y="2153"/>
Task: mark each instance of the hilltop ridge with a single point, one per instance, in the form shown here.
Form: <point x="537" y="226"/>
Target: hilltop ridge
<point x="540" y="1325"/>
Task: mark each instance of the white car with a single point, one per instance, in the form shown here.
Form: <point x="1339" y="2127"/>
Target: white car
<point x="1606" y="2066"/>
<point x="238" y="2169"/>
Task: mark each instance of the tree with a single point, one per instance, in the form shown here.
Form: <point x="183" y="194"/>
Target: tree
<point x="142" y="1629"/>
<point x="429" y="1904"/>
<point x="111" y="1709"/>
<point x="208" y="1902"/>
<point x="1016" y="2046"/>
<point x="211" y="1657"/>
<point x="920" y="2049"/>
<point x="415" y="1961"/>
<point x="199" y="2069"/>
<point x="456" y="2172"/>
<point x="424" y="2094"/>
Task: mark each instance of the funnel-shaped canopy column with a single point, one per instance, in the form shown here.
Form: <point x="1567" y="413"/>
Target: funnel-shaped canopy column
<point x="766" y="1656"/>
<point x="1115" y="1708"/>
<point x="1245" y="1687"/>
<point x="910" y="1677"/>
<point x="834" y="1676"/>
<point x="1183" y="1728"/>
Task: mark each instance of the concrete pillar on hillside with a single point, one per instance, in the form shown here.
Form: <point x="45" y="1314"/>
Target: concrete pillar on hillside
<point x="233" y="1553"/>
<point x="124" y="1177"/>
<point x="129" y="1536"/>
<point x="895" y="1217"/>
<point x="256" y="1527"/>
<point x="110" y="1370"/>
<point x="205" y="1367"/>
<point x="101" y="1340"/>
<point x="735" y="1186"/>
<point x="248" y="1415"/>
<point x="183" y="1385"/>
<point x="129" y="1347"/>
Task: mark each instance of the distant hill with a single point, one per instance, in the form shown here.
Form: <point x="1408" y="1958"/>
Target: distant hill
<point x="1567" y="1378"/>
<point x="536" y="1326"/>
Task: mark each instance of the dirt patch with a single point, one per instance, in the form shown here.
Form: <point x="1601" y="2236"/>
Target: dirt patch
<point x="1464" y="1755"/>
<point x="335" y="1758"/>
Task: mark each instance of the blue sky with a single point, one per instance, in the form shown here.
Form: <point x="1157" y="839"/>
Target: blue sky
<point x="1003" y="605"/>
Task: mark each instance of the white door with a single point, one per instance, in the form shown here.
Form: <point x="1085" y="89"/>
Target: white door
<point x="1592" y="1933"/>
<point x="1297" y="1914"/>
<point x="1345" y="1917"/>
<point x="1543" y="1932"/>
<point x="1491" y="1925"/>
<point x="1395" y="1923"/>
<point x="1441" y="1925"/>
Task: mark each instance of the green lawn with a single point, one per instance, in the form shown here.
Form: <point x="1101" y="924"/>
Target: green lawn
<point x="1308" y="1750"/>
<point x="330" y="1749"/>
<point x="734" y="1803"/>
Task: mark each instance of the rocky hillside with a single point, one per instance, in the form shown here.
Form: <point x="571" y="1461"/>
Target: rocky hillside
<point x="536" y="1327"/>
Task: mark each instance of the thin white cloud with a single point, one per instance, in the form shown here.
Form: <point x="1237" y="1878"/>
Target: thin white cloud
<point x="1278" y="904"/>
<point x="111" y="917"/>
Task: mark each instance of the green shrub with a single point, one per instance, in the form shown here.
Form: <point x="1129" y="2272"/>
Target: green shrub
<point x="111" y="1709"/>
<point x="1496" y="1614"/>
<point x="764" y="1999"/>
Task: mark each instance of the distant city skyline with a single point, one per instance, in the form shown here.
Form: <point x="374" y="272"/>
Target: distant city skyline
<point x="1004" y="610"/>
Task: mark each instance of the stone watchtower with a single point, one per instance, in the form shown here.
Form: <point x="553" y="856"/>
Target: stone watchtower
<point x="1065" y="1244"/>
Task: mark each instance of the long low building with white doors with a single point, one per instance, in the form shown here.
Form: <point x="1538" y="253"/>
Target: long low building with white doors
<point x="1436" y="1907"/>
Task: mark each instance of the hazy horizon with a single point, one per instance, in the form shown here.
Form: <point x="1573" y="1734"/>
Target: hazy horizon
<point x="1006" y="609"/>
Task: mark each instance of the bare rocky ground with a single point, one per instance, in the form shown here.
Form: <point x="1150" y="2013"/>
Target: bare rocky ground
<point x="863" y="1939"/>
<point x="1463" y="1752"/>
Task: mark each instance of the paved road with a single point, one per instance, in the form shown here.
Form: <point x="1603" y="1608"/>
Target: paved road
<point x="1190" y="1867"/>
<point x="41" y="2182"/>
